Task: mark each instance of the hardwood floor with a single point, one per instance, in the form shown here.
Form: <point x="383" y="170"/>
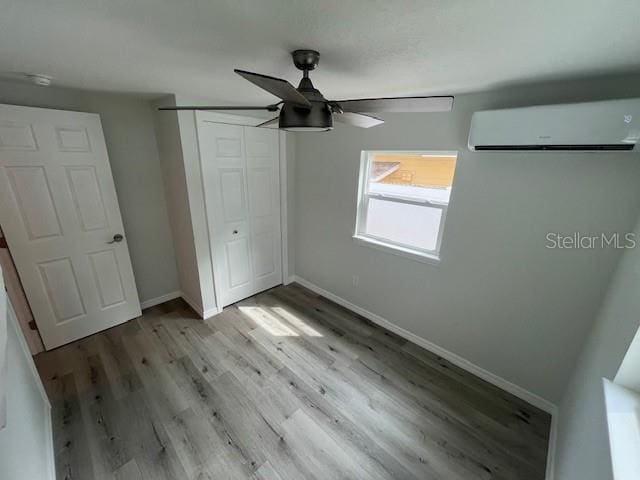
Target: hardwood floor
<point x="284" y="385"/>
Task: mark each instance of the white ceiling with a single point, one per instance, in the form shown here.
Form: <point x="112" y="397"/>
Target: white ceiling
<point x="368" y="47"/>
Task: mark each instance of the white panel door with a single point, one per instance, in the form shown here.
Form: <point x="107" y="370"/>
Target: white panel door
<point x="60" y="215"/>
<point x="240" y="170"/>
<point x="263" y="175"/>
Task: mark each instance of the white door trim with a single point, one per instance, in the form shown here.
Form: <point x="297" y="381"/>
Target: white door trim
<point x="284" y="227"/>
<point x="247" y="120"/>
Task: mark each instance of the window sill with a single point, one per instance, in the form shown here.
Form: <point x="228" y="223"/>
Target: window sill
<point x="415" y="255"/>
<point x="623" y="420"/>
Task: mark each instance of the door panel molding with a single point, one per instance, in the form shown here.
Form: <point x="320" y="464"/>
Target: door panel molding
<point x="34" y="201"/>
<point x="16" y="136"/>
<point x="90" y="209"/>
<point x="61" y="284"/>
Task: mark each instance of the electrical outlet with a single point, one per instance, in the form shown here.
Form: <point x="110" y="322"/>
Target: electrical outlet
<point x="356" y="280"/>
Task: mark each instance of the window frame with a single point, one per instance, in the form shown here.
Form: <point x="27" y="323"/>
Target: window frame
<point x="364" y="195"/>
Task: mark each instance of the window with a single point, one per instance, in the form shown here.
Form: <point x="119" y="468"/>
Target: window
<point x="402" y="201"/>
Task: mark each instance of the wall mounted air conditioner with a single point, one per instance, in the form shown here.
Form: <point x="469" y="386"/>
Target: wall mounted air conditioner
<point x="612" y="125"/>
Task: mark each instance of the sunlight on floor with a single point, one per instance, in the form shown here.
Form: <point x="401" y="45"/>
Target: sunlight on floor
<point x="268" y="321"/>
<point x="296" y="322"/>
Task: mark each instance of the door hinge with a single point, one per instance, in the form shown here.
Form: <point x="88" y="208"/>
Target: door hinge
<point x="32" y="325"/>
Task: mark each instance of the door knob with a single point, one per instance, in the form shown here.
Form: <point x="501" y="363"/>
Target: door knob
<point x="117" y="238"/>
<point x="235" y="232"/>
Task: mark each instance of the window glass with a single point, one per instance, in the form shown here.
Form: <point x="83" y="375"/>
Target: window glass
<point x="404" y="199"/>
<point x="426" y="176"/>
<point x="404" y="223"/>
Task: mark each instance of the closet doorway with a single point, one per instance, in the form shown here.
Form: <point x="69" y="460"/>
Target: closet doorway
<point x="241" y="184"/>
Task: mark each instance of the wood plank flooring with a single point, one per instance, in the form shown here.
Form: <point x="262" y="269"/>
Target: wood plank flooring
<point x="283" y="386"/>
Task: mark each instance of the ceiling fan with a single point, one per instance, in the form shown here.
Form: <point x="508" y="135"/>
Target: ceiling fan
<point x="304" y="109"/>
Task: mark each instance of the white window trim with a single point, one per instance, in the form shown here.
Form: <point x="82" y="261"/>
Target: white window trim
<point x="400" y="250"/>
<point x="383" y="244"/>
<point x="622" y="402"/>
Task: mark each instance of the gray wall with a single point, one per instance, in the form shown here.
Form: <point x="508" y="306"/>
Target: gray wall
<point x="129" y="132"/>
<point x="499" y="298"/>
<point x="583" y="447"/>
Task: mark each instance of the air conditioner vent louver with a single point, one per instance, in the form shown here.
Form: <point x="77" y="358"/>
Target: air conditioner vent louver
<point x="594" y="148"/>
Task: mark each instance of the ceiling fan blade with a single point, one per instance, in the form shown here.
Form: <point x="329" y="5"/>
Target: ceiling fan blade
<point x="357" y="119"/>
<point x="397" y="104"/>
<point x="269" y="122"/>
<point x="276" y="86"/>
<point x="270" y="108"/>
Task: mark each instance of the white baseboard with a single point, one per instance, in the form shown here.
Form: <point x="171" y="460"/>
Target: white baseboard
<point x="456" y="359"/>
<point x="289" y="279"/>
<point x="50" y="448"/>
<point x="152" y="302"/>
<point x="551" y="451"/>
<point x="203" y="314"/>
<point x="178" y="294"/>
<point x="210" y="313"/>
<point x="192" y="303"/>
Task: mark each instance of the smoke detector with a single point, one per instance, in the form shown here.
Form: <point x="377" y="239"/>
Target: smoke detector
<point x="39" y="79"/>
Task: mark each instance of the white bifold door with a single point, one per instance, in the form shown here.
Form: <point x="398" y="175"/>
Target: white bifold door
<point x="241" y="180"/>
<point x="60" y="215"/>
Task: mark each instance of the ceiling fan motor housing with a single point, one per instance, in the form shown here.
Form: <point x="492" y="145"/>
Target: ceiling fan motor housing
<point x="316" y="118"/>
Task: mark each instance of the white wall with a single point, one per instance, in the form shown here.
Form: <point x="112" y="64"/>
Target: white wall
<point x="583" y="444"/>
<point x="26" y="449"/>
<point x="195" y="193"/>
<point x="181" y="164"/>
<point x="499" y="298"/>
<point x="171" y="157"/>
<point x="131" y="143"/>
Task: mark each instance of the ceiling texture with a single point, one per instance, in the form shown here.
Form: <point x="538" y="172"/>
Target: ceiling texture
<point x="368" y="47"/>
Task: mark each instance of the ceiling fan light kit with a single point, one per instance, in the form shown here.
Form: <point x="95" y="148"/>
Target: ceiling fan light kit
<point x="304" y="109"/>
<point x="316" y="119"/>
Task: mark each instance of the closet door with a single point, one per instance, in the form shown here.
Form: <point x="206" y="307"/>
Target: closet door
<point x="242" y="190"/>
<point x="263" y="174"/>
